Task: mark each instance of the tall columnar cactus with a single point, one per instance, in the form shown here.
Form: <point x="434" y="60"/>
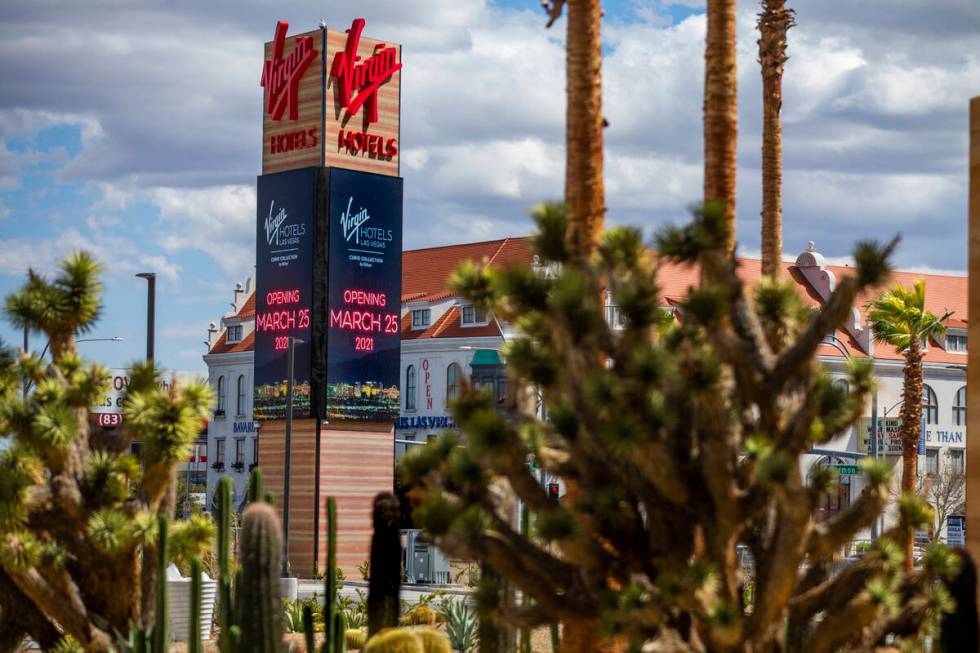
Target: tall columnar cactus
<point x="226" y="622"/>
<point x="259" y="601"/>
<point x="161" y="624"/>
<point x="386" y="556"/>
<point x="255" y="486"/>
<point x="194" y="635"/>
<point x="334" y="633"/>
<point x="308" y="629"/>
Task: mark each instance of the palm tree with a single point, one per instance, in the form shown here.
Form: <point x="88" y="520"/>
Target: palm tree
<point x="721" y="110"/>
<point x="584" y="186"/>
<point x="899" y="318"/>
<point x="774" y="21"/>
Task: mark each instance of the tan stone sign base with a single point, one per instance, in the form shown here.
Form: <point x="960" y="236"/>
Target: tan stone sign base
<point x="355" y="464"/>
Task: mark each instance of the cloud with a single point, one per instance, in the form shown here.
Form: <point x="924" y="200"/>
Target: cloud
<point x="218" y="222"/>
<point x="168" y="107"/>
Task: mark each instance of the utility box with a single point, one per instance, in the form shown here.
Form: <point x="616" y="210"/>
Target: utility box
<point x="424" y="562"/>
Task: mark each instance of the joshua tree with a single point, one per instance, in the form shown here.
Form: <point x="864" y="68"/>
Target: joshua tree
<point x="774" y="21"/>
<point x="684" y="440"/>
<point x="899" y="317"/>
<point x="721" y="111"/>
<point x="78" y="513"/>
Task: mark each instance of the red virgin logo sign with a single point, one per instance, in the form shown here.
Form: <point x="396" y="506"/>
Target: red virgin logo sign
<point x="280" y="77"/>
<point x="358" y="82"/>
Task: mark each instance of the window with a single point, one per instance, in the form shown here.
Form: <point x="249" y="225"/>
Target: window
<point x="239" y="451"/>
<point x="421" y="318"/>
<point x="932" y="462"/>
<point x="956" y="460"/>
<point x="501" y="389"/>
<point x="959" y="407"/>
<point x="410" y="388"/>
<point x="234" y="333"/>
<point x="241" y="395"/>
<point x="956" y="343"/>
<point x="473" y="315"/>
<point x="614" y="316"/>
<point x="452" y="382"/>
<point x="255" y="451"/>
<point x="219" y="451"/>
<point x="220" y="410"/>
<point x="930" y="405"/>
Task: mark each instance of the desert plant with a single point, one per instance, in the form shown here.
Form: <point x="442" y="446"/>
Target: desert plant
<point x="355" y="638"/>
<point x="684" y="439"/>
<point x="394" y="640"/>
<point x="77" y="512"/>
<point x="420" y="615"/>
<point x="365" y="570"/>
<point x="258" y="603"/>
<point x="355" y="618"/>
<point x="433" y="640"/>
<point x="385" y="564"/>
<point x="461" y="626"/>
<point x="292" y="616"/>
<point x="194" y="635"/>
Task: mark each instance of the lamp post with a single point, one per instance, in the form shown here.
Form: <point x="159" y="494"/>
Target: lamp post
<point x="290" y="355"/>
<point x="151" y="294"/>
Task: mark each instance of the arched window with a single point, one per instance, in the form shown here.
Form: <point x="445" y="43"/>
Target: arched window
<point x="410" y="388"/>
<point x="959" y="407"/>
<point x="221" y="396"/>
<point x="452" y="382"/>
<point x="930" y="405"/>
<point x="241" y="394"/>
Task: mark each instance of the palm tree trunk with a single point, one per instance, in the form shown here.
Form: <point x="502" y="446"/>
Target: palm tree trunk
<point x="721" y="110"/>
<point x="911" y="420"/>
<point x="774" y="21"/>
<point x="584" y="189"/>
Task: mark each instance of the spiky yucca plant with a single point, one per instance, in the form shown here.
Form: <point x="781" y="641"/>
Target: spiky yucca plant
<point x="684" y="439"/>
<point x="77" y="512"/>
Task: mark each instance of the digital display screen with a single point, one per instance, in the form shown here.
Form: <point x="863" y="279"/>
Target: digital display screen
<point x="364" y="296"/>
<point x="285" y="253"/>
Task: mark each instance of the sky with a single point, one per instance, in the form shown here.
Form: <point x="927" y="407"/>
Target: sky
<point x="133" y="130"/>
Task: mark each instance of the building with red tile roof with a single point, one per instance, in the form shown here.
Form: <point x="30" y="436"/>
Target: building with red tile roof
<point x="442" y="335"/>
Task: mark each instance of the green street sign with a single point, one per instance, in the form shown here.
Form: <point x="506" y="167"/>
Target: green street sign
<point x="848" y="470"/>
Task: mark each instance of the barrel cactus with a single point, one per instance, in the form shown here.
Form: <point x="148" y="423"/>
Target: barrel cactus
<point x="259" y="604"/>
<point x="356" y="638"/>
<point x="433" y="640"/>
<point x="395" y="640"/>
<point x="422" y="615"/>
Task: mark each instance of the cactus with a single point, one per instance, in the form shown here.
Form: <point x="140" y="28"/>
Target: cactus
<point x="308" y="629"/>
<point x="433" y="640"/>
<point x="339" y="633"/>
<point x="259" y="605"/>
<point x="355" y="638"/>
<point x="333" y="636"/>
<point x="194" y="635"/>
<point x="395" y="640"/>
<point x="385" y="564"/>
<point x="255" y="492"/>
<point x="161" y="622"/>
<point x="223" y="516"/>
<point x="421" y="615"/>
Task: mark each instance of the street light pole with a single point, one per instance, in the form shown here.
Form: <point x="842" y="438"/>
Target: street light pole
<point x="151" y="294"/>
<point x="290" y="356"/>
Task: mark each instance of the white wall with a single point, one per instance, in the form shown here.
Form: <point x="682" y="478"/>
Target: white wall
<point x="223" y="427"/>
